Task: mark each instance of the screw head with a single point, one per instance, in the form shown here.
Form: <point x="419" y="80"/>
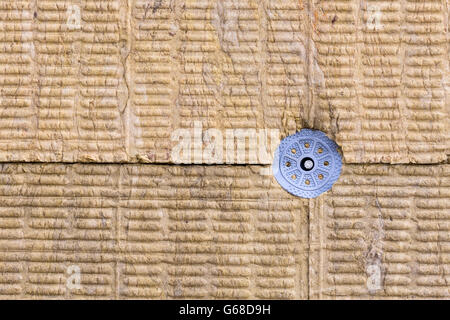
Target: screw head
<point x="309" y="164"/>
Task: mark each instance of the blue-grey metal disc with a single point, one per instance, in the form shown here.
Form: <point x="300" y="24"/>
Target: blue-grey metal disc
<point x="307" y="164"/>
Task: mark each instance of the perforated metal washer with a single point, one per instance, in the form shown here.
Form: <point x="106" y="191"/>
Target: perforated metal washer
<point x="307" y="164"/>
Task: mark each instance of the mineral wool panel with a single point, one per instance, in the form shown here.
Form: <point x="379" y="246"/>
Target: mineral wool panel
<point x="226" y="65"/>
<point x="379" y="72"/>
<point x="112" y="81"/>
<point x="61" y="81"/>
<point x="144" y="231"/>
<point x="382" y="233"/>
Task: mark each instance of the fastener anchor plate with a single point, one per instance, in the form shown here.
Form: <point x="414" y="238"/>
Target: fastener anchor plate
<point x="307" y="163"/>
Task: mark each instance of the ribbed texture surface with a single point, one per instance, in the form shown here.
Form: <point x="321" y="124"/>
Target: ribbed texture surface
<point x="395" y="218"/>
<point x="114" y="85"/>
<point x="111" y="81"/>
<point x="149" y="232"/>
<point x="380" y="71"/>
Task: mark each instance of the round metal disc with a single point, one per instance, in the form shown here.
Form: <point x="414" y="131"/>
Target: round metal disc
<point x="307" y="164"/>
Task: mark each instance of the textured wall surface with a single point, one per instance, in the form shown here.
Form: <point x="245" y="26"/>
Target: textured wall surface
<point x="145" y="231"/>
<point x="388" y="219"/>
<point x="113" y="85"/>
<point x="96" y="94"/>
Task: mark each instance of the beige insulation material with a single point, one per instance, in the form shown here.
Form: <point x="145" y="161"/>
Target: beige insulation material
<point x="95" y="93"/>
<point x="382" y="232"/>
<point x="110" y="81"/>
<point x="145" y="231"/>
<point x="381" y="72"/>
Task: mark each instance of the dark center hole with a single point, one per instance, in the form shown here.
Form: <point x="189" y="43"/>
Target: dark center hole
<point x="307" y="164"/>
